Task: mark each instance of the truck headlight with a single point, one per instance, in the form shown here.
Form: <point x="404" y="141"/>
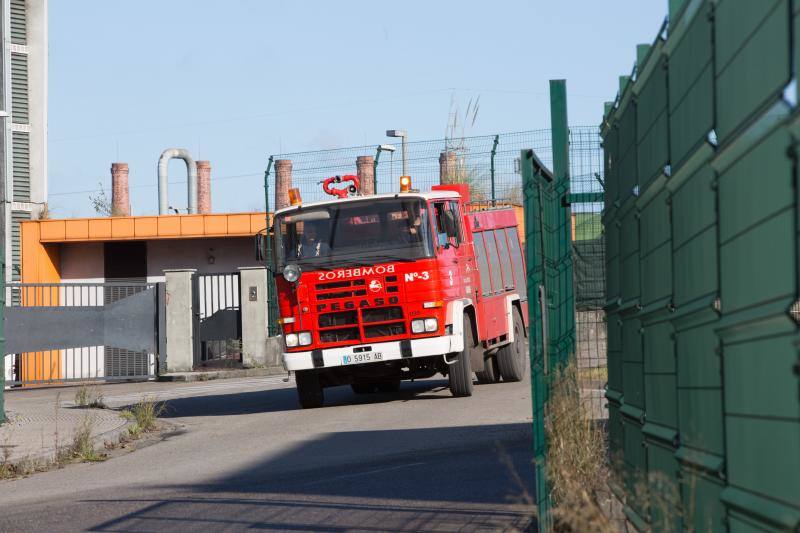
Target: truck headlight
<point x="304" y="338"/>
<point x="291" y="272"/>
<point x="421" y="325"/>
<point x="291" y="340"/>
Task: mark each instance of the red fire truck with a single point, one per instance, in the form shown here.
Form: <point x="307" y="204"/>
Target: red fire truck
<point x="379" y="289"/>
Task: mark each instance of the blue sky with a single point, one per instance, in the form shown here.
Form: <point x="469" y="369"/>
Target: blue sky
<point x="236" y="81"/>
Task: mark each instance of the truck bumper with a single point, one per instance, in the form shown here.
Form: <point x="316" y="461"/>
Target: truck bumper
<point x="378" y="352"/>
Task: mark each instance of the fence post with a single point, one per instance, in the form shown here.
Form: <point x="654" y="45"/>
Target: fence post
<point x="491" y="166"/>
<point x="271" y="301"/>
<point x="560" y="136"/>
<point x="180" y="320"/>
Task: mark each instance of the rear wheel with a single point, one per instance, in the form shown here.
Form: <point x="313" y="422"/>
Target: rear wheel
<point x="460" y="373"/>
<point x="511" y="358"/>
<point x="309" y="389"/>
<point x="490" y="373"/>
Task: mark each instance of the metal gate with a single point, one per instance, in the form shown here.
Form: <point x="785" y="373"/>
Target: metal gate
<point x="217" y="320"/>
<point x="61" y="332"/>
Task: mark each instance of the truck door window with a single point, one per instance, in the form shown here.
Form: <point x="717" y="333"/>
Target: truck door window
<point x="494" y="261"/>
<point x="455" y="217"/>
<point x="447" y="224"/>
<point x="516" y="261"/>
<point x="505" y="259"/>
<point x="483" y="264"/>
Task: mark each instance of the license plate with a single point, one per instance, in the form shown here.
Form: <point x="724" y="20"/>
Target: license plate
<point x="359" y="358"/>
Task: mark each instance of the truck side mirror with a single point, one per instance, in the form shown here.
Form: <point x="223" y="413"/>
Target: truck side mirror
<point x="260" y="243"/>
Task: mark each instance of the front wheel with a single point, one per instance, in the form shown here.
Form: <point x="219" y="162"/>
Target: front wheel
<point x="460" y="373"/>
<point x="512" y="358"/>
<point x="309" y="389"/>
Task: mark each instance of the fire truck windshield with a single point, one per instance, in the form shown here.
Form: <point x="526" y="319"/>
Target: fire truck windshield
<point x="360" y="232"/>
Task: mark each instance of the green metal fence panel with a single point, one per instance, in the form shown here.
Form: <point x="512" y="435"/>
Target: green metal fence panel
<point x="611" y="165"/>
<point x="664" y="482"/>
<point x="701" y="499"/>
<point x="691" y="84"/>
<point x="660" y="377"/>
<point x="652" y="120"/>
<point x="745" y="34"/>
<point x="695" y="251"/>
<point x="704" y="247"/>
<point x="656" y="250"/>
<point x="757" y="226"/>
<point x="629" y="258"/>
<point x="612" y="238"/>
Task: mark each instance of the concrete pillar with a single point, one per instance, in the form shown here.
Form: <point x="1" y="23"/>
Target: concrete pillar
<point x="283" y="182"/>
<point x="120" y="196"/>
<point x="179" y="320"/>
<point x="447" y="168"/>
<point x="203" y="187"/>
<point x="258" y="351"/>
<point x="365" y="168"/>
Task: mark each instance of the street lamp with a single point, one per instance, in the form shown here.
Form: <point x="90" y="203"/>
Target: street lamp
<point x="404" y="139"/>
<point x="381" y="148"/>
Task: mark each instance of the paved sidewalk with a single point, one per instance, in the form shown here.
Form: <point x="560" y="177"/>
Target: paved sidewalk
<point x="35" y="429"/>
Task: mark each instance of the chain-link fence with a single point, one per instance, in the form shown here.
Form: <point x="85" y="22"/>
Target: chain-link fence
<point x="489" y="164"/>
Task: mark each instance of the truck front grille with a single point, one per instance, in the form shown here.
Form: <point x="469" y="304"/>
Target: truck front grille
<point x="384" y="330"/>
<point x="339" y="335"/>
<point x="382" y="314"/>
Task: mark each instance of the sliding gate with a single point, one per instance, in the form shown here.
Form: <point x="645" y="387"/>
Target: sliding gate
<point x="61" y="332"/>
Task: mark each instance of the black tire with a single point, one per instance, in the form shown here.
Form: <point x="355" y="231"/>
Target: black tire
<point x="389" y="386"/>
<point x="512" y="358"/>
<point x="490" y="374"/>
<point x="363" y="388"/>
<point x="460" y="373"/>
<point x="309" y="389"/>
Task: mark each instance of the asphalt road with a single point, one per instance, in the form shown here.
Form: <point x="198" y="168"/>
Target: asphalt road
<point x="241" y="455"/>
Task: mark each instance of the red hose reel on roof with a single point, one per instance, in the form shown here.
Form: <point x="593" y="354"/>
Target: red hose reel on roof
<point x="350" y="190"/>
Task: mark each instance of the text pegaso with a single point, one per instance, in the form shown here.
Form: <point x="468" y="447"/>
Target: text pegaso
<point x="355" y="272"/>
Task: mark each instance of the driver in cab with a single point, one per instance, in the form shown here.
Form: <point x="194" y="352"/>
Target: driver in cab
<point x="312" y="243"/>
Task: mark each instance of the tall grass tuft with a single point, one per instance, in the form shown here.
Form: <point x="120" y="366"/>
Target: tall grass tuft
<point x="576" y="457"/>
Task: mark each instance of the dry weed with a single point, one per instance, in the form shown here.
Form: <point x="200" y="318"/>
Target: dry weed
<point x="576" y="457"/>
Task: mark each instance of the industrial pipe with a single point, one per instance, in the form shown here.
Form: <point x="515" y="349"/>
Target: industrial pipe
<point x="191" y="171"/>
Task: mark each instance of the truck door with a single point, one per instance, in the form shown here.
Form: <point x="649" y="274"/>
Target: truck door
<point x="448" y="235"/>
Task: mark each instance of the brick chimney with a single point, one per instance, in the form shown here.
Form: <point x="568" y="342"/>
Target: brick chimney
<point x="283" y="182"/>
<point x="365" y="168"/>
<point x="447" y="167"/>
<point x="120" y="197"/>
<point x="203" y="187"/>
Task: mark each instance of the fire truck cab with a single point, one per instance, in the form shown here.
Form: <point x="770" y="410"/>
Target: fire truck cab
<point x="379" y="289"/>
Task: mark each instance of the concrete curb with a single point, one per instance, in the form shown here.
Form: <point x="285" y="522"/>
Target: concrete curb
<point x="222" y="374"/>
